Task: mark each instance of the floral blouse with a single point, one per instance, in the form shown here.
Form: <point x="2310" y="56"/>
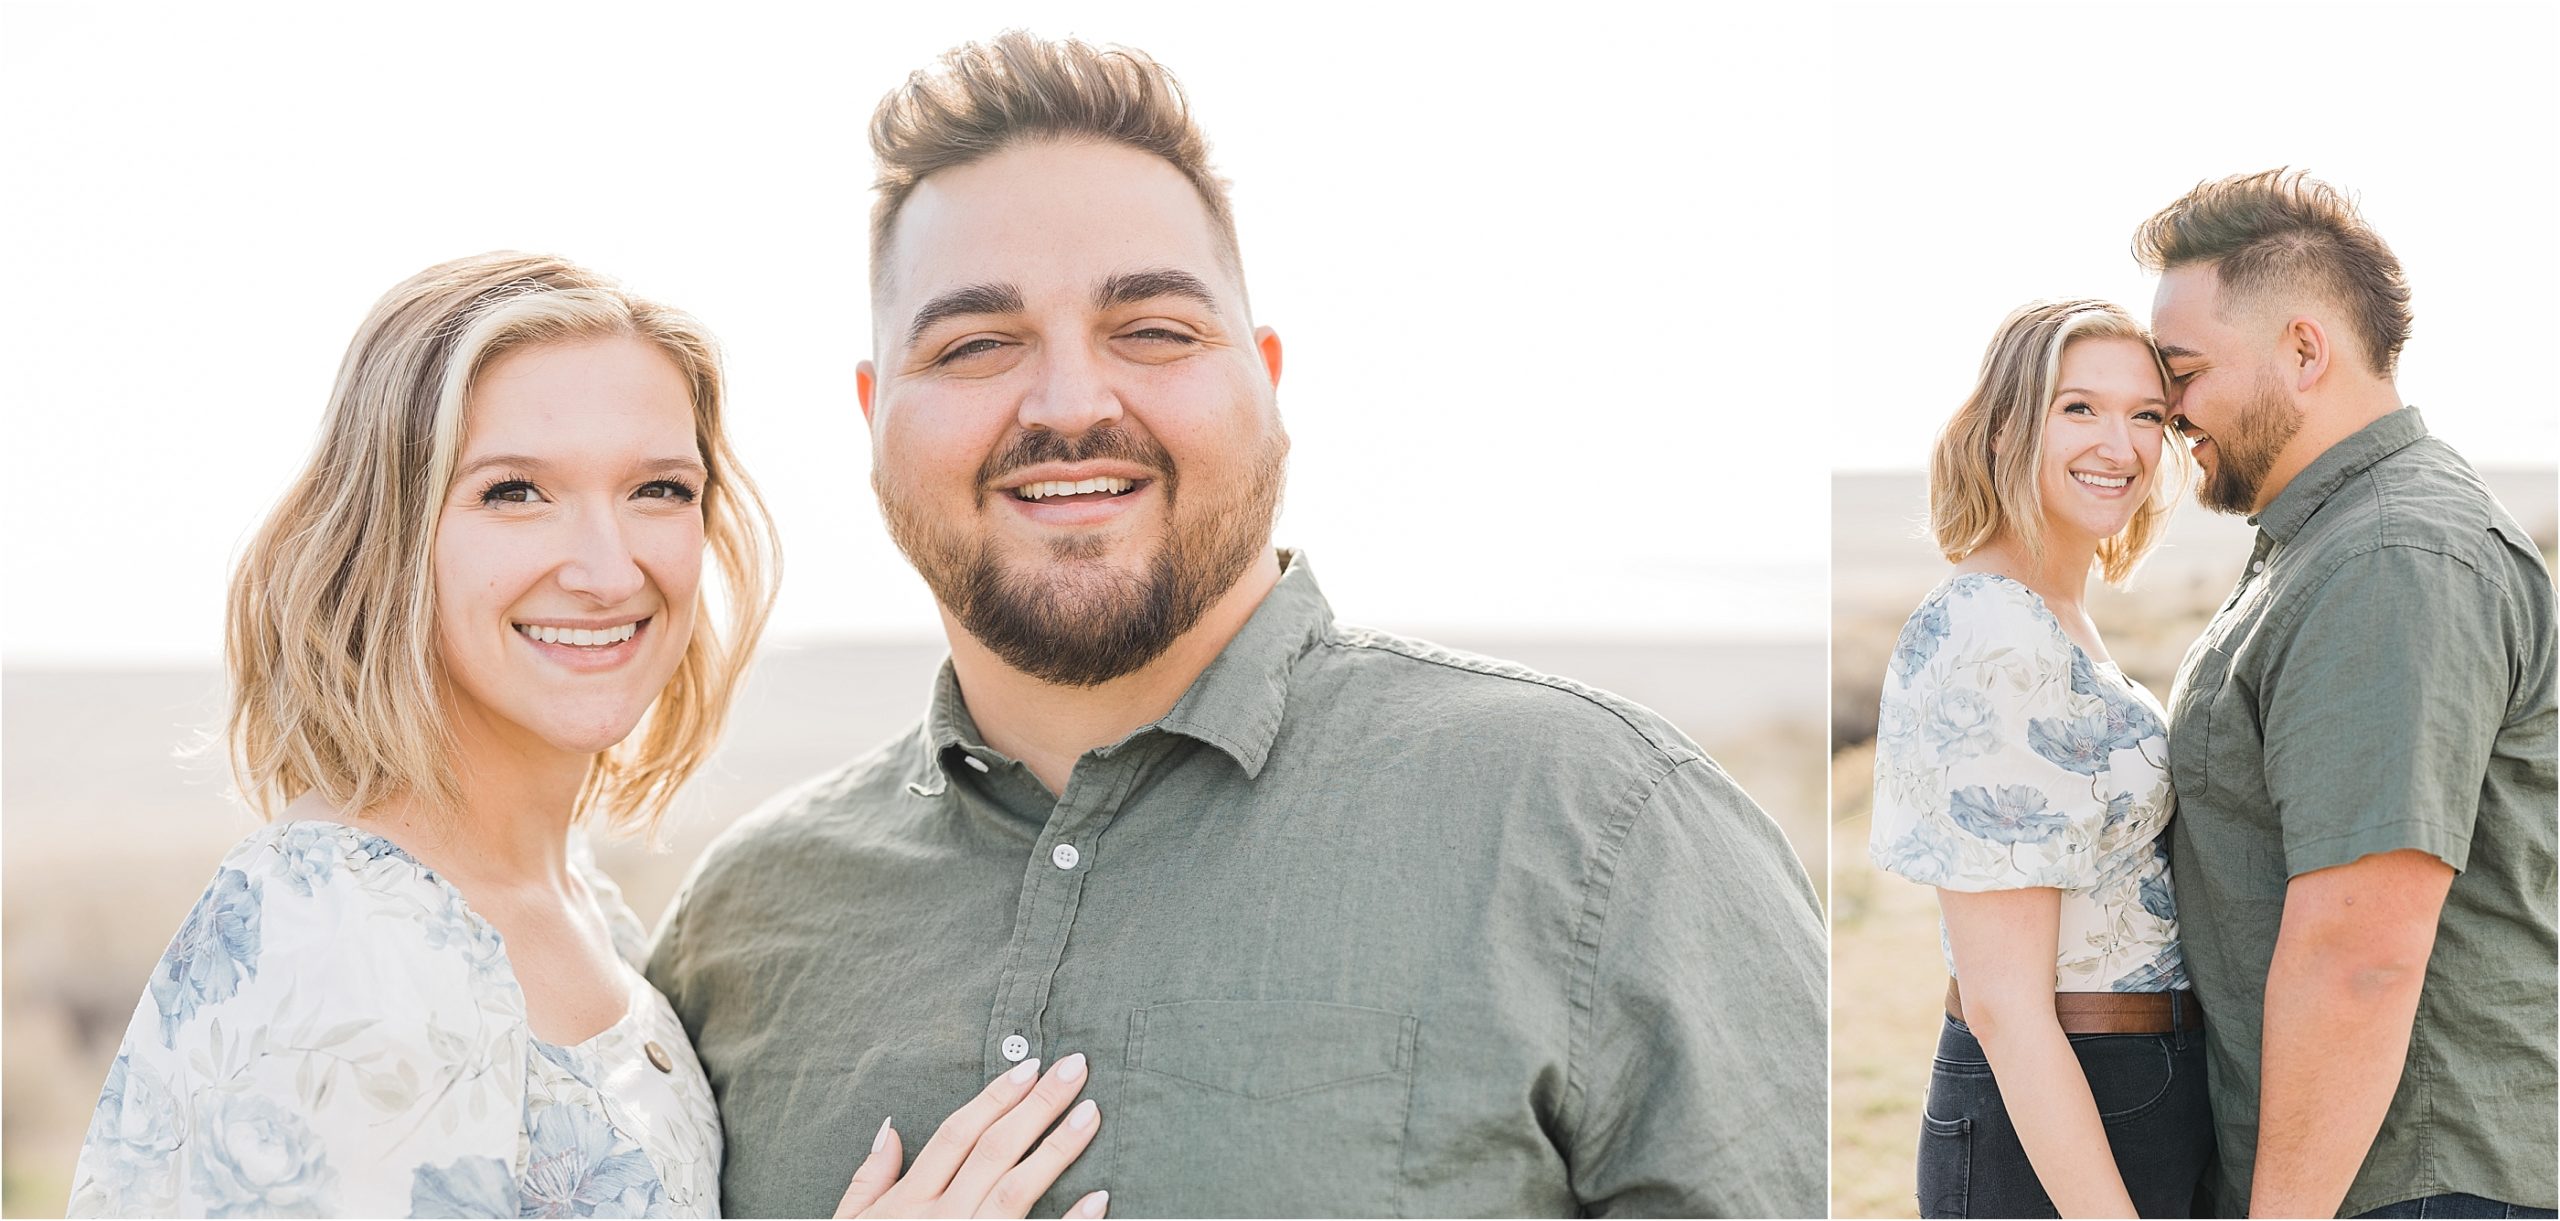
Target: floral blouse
<point x="334" y="1033"/>
<point x="2006" y="759"/>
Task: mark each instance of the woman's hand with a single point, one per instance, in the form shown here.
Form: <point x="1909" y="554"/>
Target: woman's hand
<point x="974" y="1165"/>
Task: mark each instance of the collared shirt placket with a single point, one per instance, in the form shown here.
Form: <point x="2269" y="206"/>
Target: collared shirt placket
<point x="1052" y="890"/>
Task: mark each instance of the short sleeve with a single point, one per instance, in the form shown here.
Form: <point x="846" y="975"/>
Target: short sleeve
<point x="2381" y="711"/>
<point x="1992" y="743"/>
<point x="330" y="1034"/>
<point x="1698" y="1085"/>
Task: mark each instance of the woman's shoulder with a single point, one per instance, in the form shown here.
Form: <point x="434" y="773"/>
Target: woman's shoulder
<point x="1972" y="614"/>
<point x="324" y="916"/>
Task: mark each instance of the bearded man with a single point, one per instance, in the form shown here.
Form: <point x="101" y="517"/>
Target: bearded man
<point x="2362" y="741"/>
<point x="1341" y="923"/>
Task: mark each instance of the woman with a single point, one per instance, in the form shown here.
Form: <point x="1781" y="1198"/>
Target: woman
<point x="474" y="625"/>
<point x="2023" y="775"/>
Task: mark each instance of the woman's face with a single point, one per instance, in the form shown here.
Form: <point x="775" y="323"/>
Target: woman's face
<point x="570" y="544"/>
<point x="2102" y="433"/>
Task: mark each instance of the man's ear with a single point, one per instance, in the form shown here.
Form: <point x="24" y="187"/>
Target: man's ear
<point x="2306" y="352"/>
<point x="1267" y="341"/>
<point x="866" y="383"/>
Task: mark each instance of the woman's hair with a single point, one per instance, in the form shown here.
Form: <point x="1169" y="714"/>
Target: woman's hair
<point x="1982" y="474"/>
<point x="331" y="638"/>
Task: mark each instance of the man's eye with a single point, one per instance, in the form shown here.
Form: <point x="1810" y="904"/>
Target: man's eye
<point x="1157" y="333"/>
<point x="509" y="491"/>
<point x="975" y="347"/>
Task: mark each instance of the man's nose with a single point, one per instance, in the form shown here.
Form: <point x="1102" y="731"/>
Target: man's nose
<point x="1072" y="393"/>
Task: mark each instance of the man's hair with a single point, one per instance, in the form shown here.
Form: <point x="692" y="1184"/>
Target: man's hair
<point x="1982" y="473"/>
<point x="336" y="678"/>
<point x="985" y="97"/>
<point x="2280" y="230"/>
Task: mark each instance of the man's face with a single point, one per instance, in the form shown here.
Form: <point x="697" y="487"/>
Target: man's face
<point x="1076" y="438"/>
<point x="2230" y="402"/>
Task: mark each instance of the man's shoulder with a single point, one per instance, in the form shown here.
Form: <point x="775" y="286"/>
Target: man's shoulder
<point x="1489" y="704"/>
<point x="2422" y="498"/>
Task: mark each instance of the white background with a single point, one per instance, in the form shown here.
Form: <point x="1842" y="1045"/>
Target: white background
<point x="1984" y="157"/>
<point x="1546" y="289"/>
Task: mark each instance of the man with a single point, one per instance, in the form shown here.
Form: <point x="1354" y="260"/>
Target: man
<point x="1342" y="923"/>
<point x="2361" y="742"/>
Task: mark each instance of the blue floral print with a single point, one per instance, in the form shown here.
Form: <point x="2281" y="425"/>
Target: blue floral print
<point x="334" y="1032"/>
<point x="2007" y="758"/>
<point x="213" y="952"/>
<point x="2015" y="816"/>
<point x="464" y="1187"/>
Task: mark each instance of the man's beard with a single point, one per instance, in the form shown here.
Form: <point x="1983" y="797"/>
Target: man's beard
<point x="2247" y="451"/>
<point x="1075" y="621"/>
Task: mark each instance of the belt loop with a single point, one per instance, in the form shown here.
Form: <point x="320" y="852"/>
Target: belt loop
<point x="2178" y="1020"/>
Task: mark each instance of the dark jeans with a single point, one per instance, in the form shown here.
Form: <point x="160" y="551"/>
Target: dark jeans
<point x="2150" y="1091"/>
<point x="2456" y="1205"/>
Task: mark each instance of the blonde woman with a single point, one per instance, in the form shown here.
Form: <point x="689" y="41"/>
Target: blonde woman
<point x="476" y="624"/>
<point x="2023" y="775"/>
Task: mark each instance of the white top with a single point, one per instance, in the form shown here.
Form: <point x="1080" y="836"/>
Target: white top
<point x="333" y="1032"/>
<point x="2006" y="759"/>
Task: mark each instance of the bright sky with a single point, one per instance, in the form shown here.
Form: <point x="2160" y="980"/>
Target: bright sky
<point x="1508" y="264"/>
<point x="1986" y="157"/>
<point x="1554" y="294"/>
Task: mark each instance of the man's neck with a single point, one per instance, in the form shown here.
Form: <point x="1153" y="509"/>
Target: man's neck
<point x="2324" y="425"/>
<point x="1048" y="727"/>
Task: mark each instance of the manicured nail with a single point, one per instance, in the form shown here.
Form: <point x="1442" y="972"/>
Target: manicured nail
<point x="1071" y="1069"/>
<point x="1024" y="1071"/>
<point x="1094" y="1204"/>
<point x="1081" y="1118"/>
<point x="881" y="1141"/>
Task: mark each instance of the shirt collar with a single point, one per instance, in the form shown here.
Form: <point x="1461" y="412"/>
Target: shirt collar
<point x="1235" y="704"/>
<point x="2343" y="461"/>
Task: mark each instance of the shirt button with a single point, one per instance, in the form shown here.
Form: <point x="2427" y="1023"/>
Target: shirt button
<point x="1065" y="856"/>
<point x="1016" y="1047"/>
<point x="658" y="1057"/>
<point x="975" y="762"/>
<point x="2257" y="565"/>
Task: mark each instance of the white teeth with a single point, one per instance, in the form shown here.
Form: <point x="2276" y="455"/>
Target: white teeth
<point x="587" y="637"/>
<point x="2099" y="481"/>
<point x="1060" y="487"/>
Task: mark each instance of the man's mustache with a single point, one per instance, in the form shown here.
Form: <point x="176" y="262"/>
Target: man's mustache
<point x="1033" y="446"/>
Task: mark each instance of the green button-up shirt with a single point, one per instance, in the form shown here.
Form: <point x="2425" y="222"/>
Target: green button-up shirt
<point x="1362" y="926"/>
<point x="2381" y="680"/>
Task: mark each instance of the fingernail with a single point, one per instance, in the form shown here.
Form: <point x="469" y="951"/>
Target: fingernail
<point x="881" y="1141"/>
<point x="1081" y="1118"/>
<point x="1094" y="1204"/>
<point x="1024" y="1071"/>
<point x="1071" y="1069"/>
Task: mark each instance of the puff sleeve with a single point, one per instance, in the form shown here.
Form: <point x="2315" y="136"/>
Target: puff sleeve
<point x="329" y="1034"/>
<point x="1993" y="744"/>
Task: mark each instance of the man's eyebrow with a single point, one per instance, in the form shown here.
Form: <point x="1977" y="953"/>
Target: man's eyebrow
<point x="960" y="302"/>
<point x="1131" y="287"/>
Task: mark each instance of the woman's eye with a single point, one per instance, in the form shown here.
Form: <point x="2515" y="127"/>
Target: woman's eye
<point x="510" y="491"/>
<point x="667" y="489"/>
<point x="2082" y="408"/>
<point x="2150" y="417"/>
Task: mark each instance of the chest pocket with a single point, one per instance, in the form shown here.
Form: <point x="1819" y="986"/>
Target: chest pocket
<point x="2200" y="682"/>
<point x="1289" y="1108"/>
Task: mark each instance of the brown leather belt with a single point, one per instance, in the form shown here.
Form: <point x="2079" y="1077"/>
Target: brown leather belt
<point x="2113" y="1012"/>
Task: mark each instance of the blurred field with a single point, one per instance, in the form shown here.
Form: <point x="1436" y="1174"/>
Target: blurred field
<point x="1887" y="980"/>
<point x="108" y="838"/>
